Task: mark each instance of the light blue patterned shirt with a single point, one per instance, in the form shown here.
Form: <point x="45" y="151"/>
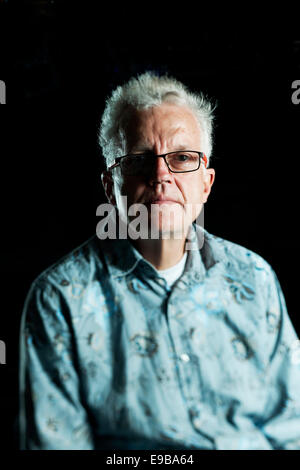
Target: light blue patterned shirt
<point x="112" y="358"/>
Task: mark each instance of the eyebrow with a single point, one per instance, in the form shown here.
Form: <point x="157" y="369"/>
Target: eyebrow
<point x="148" y="150"/>
<point x="183" y="147"/>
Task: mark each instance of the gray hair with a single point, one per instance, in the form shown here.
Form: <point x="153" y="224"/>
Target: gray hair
<point x="145" y="91"/>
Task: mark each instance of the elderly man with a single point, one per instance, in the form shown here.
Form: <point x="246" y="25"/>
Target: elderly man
<point x="174" y="339"/>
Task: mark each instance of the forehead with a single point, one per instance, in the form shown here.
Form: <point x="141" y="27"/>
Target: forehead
<point x="168" y="123"/>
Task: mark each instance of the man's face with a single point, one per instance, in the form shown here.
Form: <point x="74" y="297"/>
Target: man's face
<point x="156" y="131"/>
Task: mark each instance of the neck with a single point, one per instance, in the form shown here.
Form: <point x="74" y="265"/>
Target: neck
<point x="161" y="253"/>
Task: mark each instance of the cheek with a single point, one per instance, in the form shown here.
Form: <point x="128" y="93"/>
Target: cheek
<point x="191" y="188"/>
<point x="132" y="189"/>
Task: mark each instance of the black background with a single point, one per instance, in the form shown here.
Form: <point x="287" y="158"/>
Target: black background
<point x="63" y="59"/>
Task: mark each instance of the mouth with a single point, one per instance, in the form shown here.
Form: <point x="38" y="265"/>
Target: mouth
<point x="159" y="200"/>
<point x="163" y="201"/>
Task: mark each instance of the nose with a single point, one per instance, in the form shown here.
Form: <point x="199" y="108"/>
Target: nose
<point x="160" y="172"/>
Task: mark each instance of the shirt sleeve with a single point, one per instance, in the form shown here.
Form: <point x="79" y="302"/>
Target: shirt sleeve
<point x="281" y="421"/>
<point x="52" y="415"/>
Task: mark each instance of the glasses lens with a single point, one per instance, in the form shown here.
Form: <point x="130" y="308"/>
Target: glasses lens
<point x="132" y="164"/>
<point x="183" y="161"/>
<point x="142" y="164"/>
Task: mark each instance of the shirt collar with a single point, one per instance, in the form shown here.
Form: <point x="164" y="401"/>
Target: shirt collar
<point x="204" y="252"/>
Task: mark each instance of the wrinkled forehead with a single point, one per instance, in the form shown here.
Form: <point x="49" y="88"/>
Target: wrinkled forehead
<point x="168" y="124"/>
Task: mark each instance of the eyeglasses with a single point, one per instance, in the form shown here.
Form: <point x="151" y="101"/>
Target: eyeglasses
<point x="181" y="161"/>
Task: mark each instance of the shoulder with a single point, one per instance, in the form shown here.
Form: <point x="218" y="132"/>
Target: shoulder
<point x="55" y="294"/>
<point x="240" y="261"/>
<point x="76" y="266"/>
<point x="248" y="275"/>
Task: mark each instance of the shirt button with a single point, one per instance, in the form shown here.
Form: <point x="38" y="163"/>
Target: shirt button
<point x="185" y="357"/>
<point x="197" y="422"/>
<point x="161" y="281"/>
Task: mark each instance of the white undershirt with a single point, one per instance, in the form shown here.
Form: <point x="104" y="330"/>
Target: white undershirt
<point x="171" y="274"/>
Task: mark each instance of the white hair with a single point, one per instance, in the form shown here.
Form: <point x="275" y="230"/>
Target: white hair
<point x="145" y="91"/>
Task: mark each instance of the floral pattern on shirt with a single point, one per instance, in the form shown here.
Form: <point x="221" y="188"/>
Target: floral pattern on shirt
<point x="111" y="358"/>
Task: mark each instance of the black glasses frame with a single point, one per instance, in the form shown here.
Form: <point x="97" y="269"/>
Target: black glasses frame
<point x="201" y="155"/>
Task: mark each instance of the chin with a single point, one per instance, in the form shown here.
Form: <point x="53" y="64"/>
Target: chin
<point x="167" y="228"/>
<point x="171" y="234"/>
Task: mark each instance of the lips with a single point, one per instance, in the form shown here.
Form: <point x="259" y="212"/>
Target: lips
<point x="162" y="200"/>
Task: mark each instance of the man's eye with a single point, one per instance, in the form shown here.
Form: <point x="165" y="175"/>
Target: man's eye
<point x="130" y="160"/>
<point x="182" y="157"/>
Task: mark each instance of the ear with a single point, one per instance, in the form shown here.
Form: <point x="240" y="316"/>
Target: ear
<point x="209" y="178"/>
<point x="108" y="185"/>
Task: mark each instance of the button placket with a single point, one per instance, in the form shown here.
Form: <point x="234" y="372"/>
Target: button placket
<point x="188" y="374"/>
<point x="187" y="361"/>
